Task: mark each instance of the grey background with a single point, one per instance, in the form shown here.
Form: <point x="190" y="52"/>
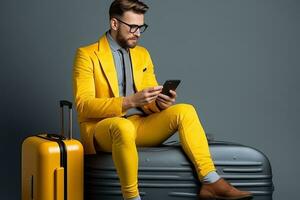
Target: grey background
<point x="238" y="61"/>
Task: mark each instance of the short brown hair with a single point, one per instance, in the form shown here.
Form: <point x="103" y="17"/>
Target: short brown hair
<point x="118" y="7"/>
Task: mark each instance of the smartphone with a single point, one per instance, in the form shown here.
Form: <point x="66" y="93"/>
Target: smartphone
<point x="170" y="85"/>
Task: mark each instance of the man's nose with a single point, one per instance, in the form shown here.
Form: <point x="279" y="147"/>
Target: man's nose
<point x="137" y="33"/>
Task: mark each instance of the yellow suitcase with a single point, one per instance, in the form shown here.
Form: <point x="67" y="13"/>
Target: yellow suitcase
<point x="52" y="165"/>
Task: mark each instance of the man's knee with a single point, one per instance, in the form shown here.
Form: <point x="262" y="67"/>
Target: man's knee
<point x="123" y="129"/>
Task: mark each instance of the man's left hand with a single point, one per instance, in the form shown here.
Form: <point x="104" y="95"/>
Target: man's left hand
<point x="163" y="101"/>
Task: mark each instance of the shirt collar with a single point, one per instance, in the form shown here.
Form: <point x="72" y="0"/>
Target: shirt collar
<point x="112" y="43"/>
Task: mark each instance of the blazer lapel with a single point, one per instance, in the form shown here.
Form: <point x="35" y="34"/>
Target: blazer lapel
<point x="106" y="60"/>
<point x="137" y="75"/>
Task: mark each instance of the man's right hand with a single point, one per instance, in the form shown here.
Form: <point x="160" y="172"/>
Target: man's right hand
<point x="141" y="98"/>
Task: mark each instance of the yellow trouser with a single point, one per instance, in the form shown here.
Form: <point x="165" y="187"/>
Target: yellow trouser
<point x="121" y="136"/>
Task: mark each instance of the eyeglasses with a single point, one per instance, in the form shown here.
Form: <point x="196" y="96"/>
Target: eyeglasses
<point x="133" y="27"/>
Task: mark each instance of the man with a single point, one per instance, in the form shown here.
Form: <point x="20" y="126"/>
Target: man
<point x="119" y="103"/>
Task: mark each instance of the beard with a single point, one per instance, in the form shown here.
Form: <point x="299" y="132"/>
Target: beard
<point x="126" y="42"/>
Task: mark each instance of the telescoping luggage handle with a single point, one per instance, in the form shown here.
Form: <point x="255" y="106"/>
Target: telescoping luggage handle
<point x="61" y="136"/>
<point x="63" y="103"/>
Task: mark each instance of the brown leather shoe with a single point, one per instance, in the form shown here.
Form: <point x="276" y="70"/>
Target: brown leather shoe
<point x="221" y="189"/>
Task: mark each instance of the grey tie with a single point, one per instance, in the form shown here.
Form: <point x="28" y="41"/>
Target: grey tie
<point x="127" y="72"/>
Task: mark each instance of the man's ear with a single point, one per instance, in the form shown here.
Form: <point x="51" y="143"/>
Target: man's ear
<point x="113" y="24"/>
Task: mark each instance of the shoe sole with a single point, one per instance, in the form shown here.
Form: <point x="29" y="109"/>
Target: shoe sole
<point x="219" y="198"/>
<point x="240" y="198"/>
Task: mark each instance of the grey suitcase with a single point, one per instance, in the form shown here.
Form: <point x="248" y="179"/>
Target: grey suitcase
<point x="166" y="173"/>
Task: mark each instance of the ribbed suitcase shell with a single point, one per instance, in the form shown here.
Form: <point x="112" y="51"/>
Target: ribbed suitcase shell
<point x="165" y="173"/>
<point x="42" y="174"/>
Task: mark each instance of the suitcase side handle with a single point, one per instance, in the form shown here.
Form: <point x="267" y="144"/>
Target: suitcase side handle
<point x="59" y="183"/>
<point x="55" y="136"/>
<point x="63" y="103"/>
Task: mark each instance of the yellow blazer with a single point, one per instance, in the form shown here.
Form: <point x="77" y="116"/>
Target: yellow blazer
<point x="96" y="89"/>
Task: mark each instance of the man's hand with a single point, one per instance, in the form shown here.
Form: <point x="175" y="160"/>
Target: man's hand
<point x="164" y="101"/>
<point x="141" y="98"/>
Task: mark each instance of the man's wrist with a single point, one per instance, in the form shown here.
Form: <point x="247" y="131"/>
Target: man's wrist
<point x="127" y="103"/>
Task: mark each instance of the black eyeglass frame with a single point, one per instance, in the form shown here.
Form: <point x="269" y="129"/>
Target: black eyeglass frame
<point x="133" y="27"/>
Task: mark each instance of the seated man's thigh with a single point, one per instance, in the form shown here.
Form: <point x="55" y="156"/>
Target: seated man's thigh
<point x="154" y="129"/>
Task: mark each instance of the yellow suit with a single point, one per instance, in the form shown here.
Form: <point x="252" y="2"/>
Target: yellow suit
<point x="100" y="114"/>
<point x="96" y="86"/>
